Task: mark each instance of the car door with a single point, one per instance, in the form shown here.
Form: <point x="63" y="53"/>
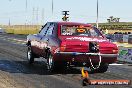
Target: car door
<point x="38" y="49"/>
<point x="47" y="39"/>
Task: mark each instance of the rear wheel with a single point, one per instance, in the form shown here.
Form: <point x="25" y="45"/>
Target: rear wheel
<point x="51" y="65"/>
<point x="50" y="62"/>
<point x="30" y="55"/>
<point x="102" y="68"/>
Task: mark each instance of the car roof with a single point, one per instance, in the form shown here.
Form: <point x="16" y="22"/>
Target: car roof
<point x="73" y="23"/>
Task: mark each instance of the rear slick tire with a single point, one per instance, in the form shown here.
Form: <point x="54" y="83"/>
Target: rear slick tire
<point x="103" y="68"/>
<point x="50" y="62"/>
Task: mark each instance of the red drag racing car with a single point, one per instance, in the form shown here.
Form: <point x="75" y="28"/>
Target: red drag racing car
<point x="69" y="43"/>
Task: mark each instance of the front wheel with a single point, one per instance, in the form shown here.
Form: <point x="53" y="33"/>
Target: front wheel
<point x="30" y="55"/>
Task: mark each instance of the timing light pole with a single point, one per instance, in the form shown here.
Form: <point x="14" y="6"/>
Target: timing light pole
<point x="52" y="7"/>
<point x="52" y="10"/>
<point x="97" y="24"/>
<point x="26" y="14"/>
<point x="26" y="5"/>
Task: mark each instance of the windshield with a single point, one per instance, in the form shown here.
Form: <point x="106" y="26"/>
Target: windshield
<point x="79" y="31"/>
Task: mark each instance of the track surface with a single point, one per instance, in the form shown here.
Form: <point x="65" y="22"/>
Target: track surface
<point x="16" y="73"/>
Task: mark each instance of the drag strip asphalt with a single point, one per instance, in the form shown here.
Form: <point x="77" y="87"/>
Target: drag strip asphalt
<point x="15" y="72"/>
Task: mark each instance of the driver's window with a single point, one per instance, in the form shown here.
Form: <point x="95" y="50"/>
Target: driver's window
<point x="44" y="29"/>
<point x="50" y="30"/>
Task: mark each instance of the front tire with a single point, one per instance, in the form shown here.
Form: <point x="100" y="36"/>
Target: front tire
<point x="30" y="55"/>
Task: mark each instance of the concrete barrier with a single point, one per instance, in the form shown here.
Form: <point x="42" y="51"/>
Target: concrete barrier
<point x="125" y="38"/>
<point x="119" y="38"/>
<point x="125" y="55"/>
<point x="130" y="39"/>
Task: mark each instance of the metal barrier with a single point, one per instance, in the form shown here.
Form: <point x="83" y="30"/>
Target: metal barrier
<point x="121" y="38"/>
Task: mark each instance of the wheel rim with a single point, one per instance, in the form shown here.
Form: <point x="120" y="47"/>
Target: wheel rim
<point x="50" y="62"/>
<point x="29" y="54"/>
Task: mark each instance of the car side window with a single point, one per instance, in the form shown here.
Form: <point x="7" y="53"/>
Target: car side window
<point x="44" y="29"/>
<point x="93" y="32"/>
<point x="50" y="30"/>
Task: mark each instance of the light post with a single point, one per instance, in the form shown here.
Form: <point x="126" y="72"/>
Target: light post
<point x="52" y="10"/>
<point x="52" y="7"/>
<point x="97" y="24"/>
<point x="26" y="5"/>
<point x="26" y="15"/>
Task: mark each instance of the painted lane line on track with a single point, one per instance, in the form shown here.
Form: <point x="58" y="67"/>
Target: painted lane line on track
<point x="16" y="40"/>
<point x="20" y="40"/>
<point x="115" y="64"/>
<point x="13" y="40"/>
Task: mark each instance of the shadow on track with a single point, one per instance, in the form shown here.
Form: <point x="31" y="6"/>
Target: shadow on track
<point x="39" y="67"/>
